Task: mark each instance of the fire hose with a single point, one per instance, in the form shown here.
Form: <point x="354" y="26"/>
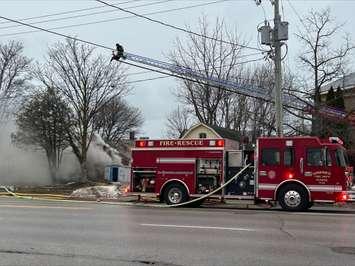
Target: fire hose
<point x="212" y="192"/>
<point x="197" y="199"/>
<point x="9" y="191"/>
<point x="147" y="205"/>
<point x="12" y="193"/>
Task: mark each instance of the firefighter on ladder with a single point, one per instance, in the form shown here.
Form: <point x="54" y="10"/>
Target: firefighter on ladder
<point x="118" y="54"/>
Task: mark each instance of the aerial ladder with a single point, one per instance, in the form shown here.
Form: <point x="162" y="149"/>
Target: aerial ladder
<point x="239" y="88"/>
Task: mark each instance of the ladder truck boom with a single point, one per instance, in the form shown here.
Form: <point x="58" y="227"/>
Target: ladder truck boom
<point x="244" y="89"/>
<point x="248" y="90"/>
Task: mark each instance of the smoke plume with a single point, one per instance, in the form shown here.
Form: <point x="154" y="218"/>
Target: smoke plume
<point x="30" y="167"/>
<point x="18" y="166"/>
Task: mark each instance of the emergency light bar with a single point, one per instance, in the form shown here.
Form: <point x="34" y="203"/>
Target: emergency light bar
<point x="180" y="143"/>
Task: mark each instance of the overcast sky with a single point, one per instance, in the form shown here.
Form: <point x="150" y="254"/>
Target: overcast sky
<point x="155" y="98"/>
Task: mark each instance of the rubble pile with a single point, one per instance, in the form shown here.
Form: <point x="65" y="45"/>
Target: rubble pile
<point x="97" y="192"/>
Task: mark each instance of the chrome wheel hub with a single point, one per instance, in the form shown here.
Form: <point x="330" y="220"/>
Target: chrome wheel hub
<point x="175" y="195"/>
<point x="292" y="198"/>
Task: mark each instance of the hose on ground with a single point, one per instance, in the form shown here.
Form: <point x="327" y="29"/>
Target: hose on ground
<point x="13" y="193"/>
<point x="212" y="192"/>
<point x="147" y="205"/>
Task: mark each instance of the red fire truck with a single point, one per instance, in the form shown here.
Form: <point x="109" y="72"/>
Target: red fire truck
<point x="293" y="171"/>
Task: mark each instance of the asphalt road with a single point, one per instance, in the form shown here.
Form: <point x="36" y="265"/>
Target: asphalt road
<point x="57" y="233"/>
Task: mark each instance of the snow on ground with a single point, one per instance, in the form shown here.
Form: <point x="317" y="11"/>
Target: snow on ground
<point x="97" y="192"/>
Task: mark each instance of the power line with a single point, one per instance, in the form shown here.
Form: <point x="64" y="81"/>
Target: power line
<point x="298" y="16"/>
<point x="131" y="64"/>
<point x="114" y="19"/>
<point x="179" y="28"/>
<point x="86" y="15"/>
<point x="148" y="79"/>
<point x="55" y="33"/>
<point x="66" y="12"/>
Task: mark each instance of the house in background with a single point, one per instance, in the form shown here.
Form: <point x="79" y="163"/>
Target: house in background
<point x="347" y="84"/>
<point x="202" y="131"/>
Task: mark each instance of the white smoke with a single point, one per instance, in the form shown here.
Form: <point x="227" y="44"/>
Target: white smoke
<point x="100" y="154"/>
<point x="18" y="166"/>
<point x="30" y="167"/>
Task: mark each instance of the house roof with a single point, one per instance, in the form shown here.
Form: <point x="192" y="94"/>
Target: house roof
<point x="224" y="133"/>
<point x="346" y="82"/>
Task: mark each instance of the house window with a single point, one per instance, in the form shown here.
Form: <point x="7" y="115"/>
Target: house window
<point x="202" y="135"/>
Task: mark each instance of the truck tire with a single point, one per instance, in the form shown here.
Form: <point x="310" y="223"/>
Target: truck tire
<point x="293" y="197"/>
<point x="310" y="205"/>
<point x="175" y="193"/>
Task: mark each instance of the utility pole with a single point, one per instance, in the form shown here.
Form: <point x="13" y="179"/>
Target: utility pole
<point x="273" y="38"/>
<point x="278" y="70"/>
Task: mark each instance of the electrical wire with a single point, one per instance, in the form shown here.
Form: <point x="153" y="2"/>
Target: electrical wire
<point x="166" y="75"/>
<point x="127" y="63"/>
<point x="66" y="12"/>
<point x="86" y="15"/>
<point x="54" y="33"/>
<point x="96" y="44"/>
<point x="114" y="19"/>
<point x="282" y="9"/>
<point x="298" y="16"/>
<point x="148" y="79"/>
<point x="179" y="28"/>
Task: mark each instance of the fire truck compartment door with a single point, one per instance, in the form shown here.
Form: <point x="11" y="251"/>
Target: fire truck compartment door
<point x="235" y="158"/>
<point x="183" y="169"/>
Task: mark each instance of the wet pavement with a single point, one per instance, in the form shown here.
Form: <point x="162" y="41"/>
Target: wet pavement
<point x="74" y="233"/>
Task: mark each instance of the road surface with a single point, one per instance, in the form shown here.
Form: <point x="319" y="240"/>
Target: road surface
<point x="57" y="233"/>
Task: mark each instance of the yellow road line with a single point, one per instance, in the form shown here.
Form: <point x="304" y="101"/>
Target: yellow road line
<point x="42" y="207"/>
<point x="36" y="194"/>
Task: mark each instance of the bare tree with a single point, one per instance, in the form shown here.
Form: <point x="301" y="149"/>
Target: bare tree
<point x="43" y="122"/>
<point x="87" y="82"/>
<point x="178" y="122"/>
<point x="250" y="116"/>
<point x="221" y="106"/>
<point x="116" y="119"/>
<point x="13" y="69"/>
<point x="324" y="61"/>
<point x="210" y="58"/>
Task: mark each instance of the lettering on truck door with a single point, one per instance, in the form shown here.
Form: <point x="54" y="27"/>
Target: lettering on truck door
<point x="182" y="169"/>
<point x="317" y="173"/>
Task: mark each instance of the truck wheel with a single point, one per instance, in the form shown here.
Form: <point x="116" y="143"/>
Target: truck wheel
<point x="293" y="198"/>
<point x="175" y="193"/>
<point x="310" y="205"/>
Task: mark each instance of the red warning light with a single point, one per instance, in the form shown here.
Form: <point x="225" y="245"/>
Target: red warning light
<point x="220" y="143"/>
<point x="289" y="175"/>
<point x="344" y="197"/>
<point x="141" y="143"/>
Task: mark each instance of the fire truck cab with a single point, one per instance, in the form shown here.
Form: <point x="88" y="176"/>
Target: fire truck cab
<point x="293" y="171"/>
